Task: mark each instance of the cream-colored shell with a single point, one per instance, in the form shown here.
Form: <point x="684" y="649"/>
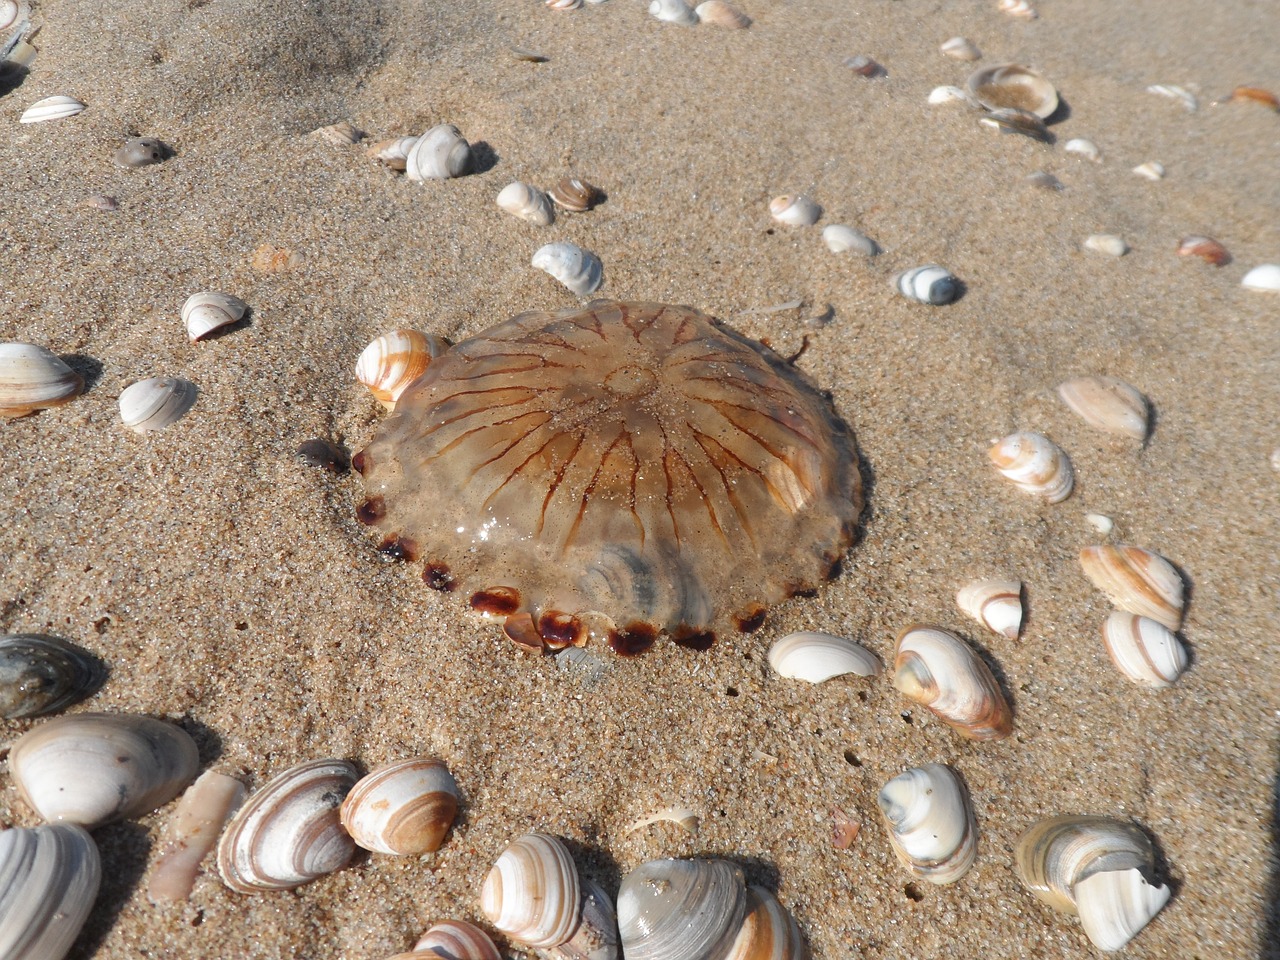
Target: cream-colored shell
<point x="1018" y="9"/>
<point x="207" y="311"/>
<point x="191" y="833"/>
<point x="1173" y="92"/>
<point x="931" y="824"/>
<point x="33" y="378"/>
<point x="960" y="48"/>
<point x="156" y="403"/>
<point x="580" y="271"/>
<point x="1151" y="170"/>
<point x="1137" y="580"/>
<point x="1115" y="905"/>
<point x="1083" y="148"/>
<point x="1107" y="244"/>
<point x="948" y="94"/>
<point x="996" y="604"/>
<point x="768" y="931"/>
<point x="51" y="108"/>
<point x="929" y="284"/>
<point x="937" y="669"/>
<point x="1035" y="464"/>
<point x="794" y="211"/>
<point x="1143" y="650"/>
<point x="439" y="154"/>
<point x="1011" y="85"/>
<point x="684" y="818"/>
<point x="49" y="879"/>
<point x="403" y="808"/>
<point x="840" y="238"/>
<point x="1206" y="248"/>
<point x="454" y="940"/>
<point x="815" y="657"/>
<point x="341" y="134"/>
<point x="394" y="360"/>
<point x="526" y="202"/>
<point x="394" y="153"/>
<point x="681" y="909"/>
<point x="563" y="4"/>
<point x="1265" y="277"/>
<point x="532" y="893"/>
<point x="674" y="11"/>
<point x="718" y="13"/>
<point x="1053" y="855"/>
<point x="1108" y="404"/>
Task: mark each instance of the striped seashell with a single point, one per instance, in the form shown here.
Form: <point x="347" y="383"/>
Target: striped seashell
<point x="49" y="878"/>
<point x="41" y="674"/>
<point x="842" y="239"/>
<point x="768" y="931"/>
<point x="205" y="312"/>
<point x="931" y="824"/>
<point x="439" y="154"/>
<point x="960" y="48"/>
<point x="718" y="13"/>
<point x="156" y="403"/>
<point x="453" y="940"/>
<point x="938" y="670"/>
<point x="1108" y="404"/>
<point x="1013" y="86"/>
<point x="341" y="134"/>
<point x="580" y="271"/>
<point x="574" y="195"/>
<point x="1035" y="464"/>
<point x="1114" y="906"/>
<point x="794" y="211"/>
<point x="816" y="657"/>
<point x="1145" y="651"/>
<point x="1206" y="248"/>
<point x="597" y="935"/>
<point x="532" y="894"/>
<point x="191" y="833"/>
<point x="674" y="11"/>
<point x="929" y="284"/>
<point x="996" y="604"/>
<point x="1106" y="243"/>
<point x="404" y="808"/>
<point x="51" y="108"/>
<point x="1265" y="277"/>
<point x="32" y="378"/>
<point x="394" y="153"/>
<point x="528" y="203"/>
<point x="681" y="909"/>
<point x="1137" y="580"/>
<point x="394" y="360"/>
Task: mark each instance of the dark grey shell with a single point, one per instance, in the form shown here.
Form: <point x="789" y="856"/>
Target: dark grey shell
<point x="40" y="674"/>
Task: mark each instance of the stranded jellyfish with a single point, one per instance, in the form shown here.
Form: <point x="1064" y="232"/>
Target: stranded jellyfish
<point x="622" y="470"/>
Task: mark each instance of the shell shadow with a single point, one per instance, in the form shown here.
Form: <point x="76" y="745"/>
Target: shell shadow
<point x="1063" y="112"/>
<point x="594" y="861"/>
<point x="208" y="741"/>
<point x="1161" y="873"/>
<point x="1269" y="935"/>
<point x="483" y="157"/>
<point x="125" y="849"/>
<point x="88" y="367"/>
<point x="11" y="77"/>
<point x="997" y="671"/>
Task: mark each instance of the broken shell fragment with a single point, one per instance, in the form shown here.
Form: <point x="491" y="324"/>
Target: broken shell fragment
<point x="1151" y="170"/>
<point x="1143" y="650"/>
<point x="32" y="378"/>
<point x="1011" y="85"/>
<point x="51" y="108"/>
<point x="191" y="833"/>
<point x="205" y="312"/>
<point x="1181" y="94"/>
<point x="842" y="239"/>
<point x="718" y="13"/>
<point x="1206" y="248"/>
<point x="1035" y="464"/>
<point x="394" y="360"/>
<point x="1106" y="243"/>
<point x="563" y="4"/>
<point x="684" y="818"/>
<point x="41" y="674"/>
<point x="1108" y="404"/>
<point x="574" y="195"/>
<point x="394" y="153"/>
<point x="341" y="134"/>
<point x="794" y="211"/>
<point x="938" y="670"/>
<point x="1100" y="522"/>
<point x="997" y="604"/>
<point x="156" y="403"/>
<point x="1253" y="95"/>
<point x="929" y="284"/>
<point x="532" y="893"/>
<point x="1083" y="148"/>
<point x="597" y="935"/>
<point x="1114" y="906"/>
<point x="141" y="152"/>
<point x="931" y="823"/>
<point x="681" y="908"/>
<point x="528" y="203"/>
<point x="577" y="269"/>
<point x="1018" y="9"/>
<point x="439" y="154"/>
<point x="453" y="940"/>
<point x="404" y="808"/>
<point x="1136" y="580"/>
<point x="49" y="879"/>
<point x="1022" y="122"/>
<point x="816" y="657"/>
<point x="1265" y="278"/>
<point x="960" y="48"/>
<point x="948" y="94"/>
<point x="674" y="11"/>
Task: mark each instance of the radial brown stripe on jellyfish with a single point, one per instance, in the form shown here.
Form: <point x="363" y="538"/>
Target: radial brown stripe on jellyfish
<point x="635" y="460"/>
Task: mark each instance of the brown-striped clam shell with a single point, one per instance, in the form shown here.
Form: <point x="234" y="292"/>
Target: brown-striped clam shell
<point x="996" y="604"/>
<point x="1137" y="580"/>
<point x="931" y="823"/>
<point x="32" y="378"/>
<point x="768" y="931"/>
<point x="574" y="194"/>
<point x="532" y="893"/>
<point x="937" y="669"/>
<point x="394" y="360"/>
<point x="1035" y="464"/>
<point x="403" y="808"/>
<point x="452" y="940"/>
<point x="1146" y="652"/>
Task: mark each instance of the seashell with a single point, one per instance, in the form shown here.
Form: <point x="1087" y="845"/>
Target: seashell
<point x="49" y="879"/>
<point x="453" y="940"/>
<point x="1023" y="122"/>
<point x="156" y="403"/>
<point x="1254" y="95"/>
<point x="574" y="195"/>
<point x="100" y="201"/>
<point x="597" y="935"/>
<point x="1017" y="8"/>
<point x="842" y="239"/>
<point x="341" y="134"/>
<point x="289" y="833"/>
<point x="820" y="656"/>
<point x="526" y="202"/>
<point x="1265" y="277"/>
<point x="563" y="4"/>
<point x="94" y="768"/>
<point x="439" y="154"/>
<point x="394" y="360"/>
<point x="996" y="604"/>
<point x="205" y="312"/>
<point x="40" y="674"/>
<point x="532" y="894"/>
<point x="794" y="211"/>
<point x="931" y="823"/>
<point x="191" y="833"/>
<point x="960" y="48"/>
<point x="1136" y="580"/>
<point x="937" y="669"/>
<point x="1206" y="248"/>
<point x="948" y="95"/>
<point x="141" y="152"/>
<point x="864" y="66"/>
<point x="1182" y="95"/>
<point x="1108" y="404"/>
<point x="32" y="378"/>
<point x="930" y="284"/>
<point x="681" y="908"/>
<point x="1100" y="522"/>
<point x="532" y="56"/>
<point x="51" y="108"/>
<point x="1044" y="180"/>
<point x="13" y="11"/>
<point x="1084" y="148"/>
<point x="1035" y="464"/>
<point x="1011" y="85"/>
<point x="674" y="11"/>
<point x="768" y="931"/>
<point x="844" y="829"/>
<point x="268" y="258"/>
<point x="718" y="13"/>
<point x="394" y="152"/>
<point x="577" y="269"/>
<point x="404" y="808"/>
<point x="1150" y="170"/>
<point x="684" y="818"/>
<point x="1143" y="650"/>
<point x="1115" y="905"/>
<point x="1107" y="243"/>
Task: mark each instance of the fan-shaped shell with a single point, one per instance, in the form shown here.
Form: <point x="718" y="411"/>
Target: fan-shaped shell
<point x="1108" y="404"/>
<point x="794" y="210"/>
<point x="1143" y="650"/>
<point x="394" y="360"/>
<point x="597" y="935"/>
<point x="1137" y="580"/>
<point x="1115" y="905"/>
<point x="929" y="284"/>
<point x="49" y="879"/>
<point x="528" y="203"/>
<point x="453" y="940"/>
<point x="574" y="194"/>
<point x="532" y="894"/>
<point x="1151" y="170"/>
<point x="93" y="768"/>
<point x="207" y="311"/>
<point x="41" y="674"/>
<point x="33" y="378"/>
<point x="939" y="670"/>
<point x="719" y="13"/>
<point x="191" y="833"/>
<point x="816" y="657"/>
<point x="931" y="824"/>
<point x="674" y="11"/>
<point x="51" y="108"/>
<point x="844" y="239"/>
<point x="996" y="604"/>
<point x="768" y="931"/>
<point x="289" y="832"/>
<point x="1053" y="855"/>
<point x="404" y="808"/>
<point x="1011" y="85"/>
<point x="156" y="403"/>
<point x="579" y="270"/>
<point x="1035" y="464"/>
<point x="439" y="154"/>
<point x="669" y="909"/>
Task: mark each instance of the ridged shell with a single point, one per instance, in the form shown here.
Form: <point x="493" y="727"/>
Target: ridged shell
<point x="439" y="154"/>
<point x="1206" y="248"/>
<point x="32" y="378"/>
<point x="394" y="153"/>
<point x="573" y="194"/>
<point x="937" y="669"/>
<point x="41" y="674"/>
<point x="207" y="311"/>
<point x="532" y="894"/>
<point x="816" y="657"/>
<point x="191" y="833"/>
<point x="718" y="13"/>
<point x="341" y="134"/>
<point x="49" y="879"/>
<point x="394" y="360"/>
<point x="794" y="211"/>
<point x="960" y="48"/>
<point x="1265" y="277"/>
<point x="768" y="931"/>
<point x="289" y="833"/>
<point x="996" y="604"/>
<point x="1053" y="855"/>
<point x="1137" y="580"/>
<point x="1144" y="651"/>
<point x="156" y="403"/>
<point x="1011" y="85"/>
<point x="1107" y="244"/>
<point x="597" y="935"/>
<point x="141" y="152"/>
<point x="1151" y="170"/>
<point x="674" y="11"/>
<point x="929" y="284"/>
<point x="692" y="909"/>
<point x="93" y="768"/>
<point x="580" y="271"/>
<point x="1114" y="906"/>
<point x="454" y="940"/>
<point x="843" y="239"/>
<point x="1035" y="464"/>
<point x="528" y="203"/>
<point x="403" y="808"/>
<point x="1108" y="404"/>
<point x="931" y="824"/>
<point x="51" y="108"/>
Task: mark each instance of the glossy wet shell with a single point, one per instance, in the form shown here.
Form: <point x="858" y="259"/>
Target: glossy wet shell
<point x="636" y="459"/>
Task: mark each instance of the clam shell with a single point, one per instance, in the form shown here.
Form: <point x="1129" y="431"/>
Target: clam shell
<point x="341" y="134"/>
<point x="794" y="211"/>
<point x="207" y="311"/>
<point x="996" y="604"/>
<point x="1023" y="122"/>
<point x="1018" y="9"/>
<point x="843" y="239"/>
<point x="574" y="195"/>
<point x="394" y="153"/>
<point x="692" y="909"/>
<point x="937" y="669"/>
<point x="1265" y="277"/>
<point x="49" y="879"/>
<point x="32" y="378"/>
<point x="931" y="824"/>
<point x="191" y="833"/>
<point x="1106" y="243"/>
<point x="532" y="894"/>
<point x="439" y="154"/>
<point x="960" y="48"/>
<point x="948" y="94"/>
<point x="41" y="674"/>
<point x="1115" y="905"/>
<point x="577" y="269"/>
<point x="929" y="284"/>
<point x="289" y="833"/>
<point x="1108" y="404"/>
<point x="1151" y="170"/>
<point x="1084" y="148"/>
<point x="454" y="940"/>
<point x="1206" y="248"/>
<point x="597" y="935"/>
<point x="718" y="13"/>
<point x="674" y="11"/>
<point x="1053" y="855"/>
<point x="51" y="108"/>
<point x="1181" y="94"/>
<point x="1143" y="650"/>
<point x="141" y="152"/>
<point x="1013" y="85"/>
<point x="156" y="403"/>
<point x="563" y="4"/>
<point x="404" y="808"/>
<point x="528" y="203"/>
<point x="394" y="360"/>
<point x="1136" y="580"/>
<point x="13" y="11"/>
<point x="768" y="931"/>
<point x="817" y="657"/>
<point x="1035" y="464"/>
<point x="93" y="768"/>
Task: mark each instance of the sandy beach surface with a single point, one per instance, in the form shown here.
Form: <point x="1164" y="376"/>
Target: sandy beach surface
<point x="229" y="587"/>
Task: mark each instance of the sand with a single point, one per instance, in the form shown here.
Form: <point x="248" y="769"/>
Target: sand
<point x="230" y="588"/>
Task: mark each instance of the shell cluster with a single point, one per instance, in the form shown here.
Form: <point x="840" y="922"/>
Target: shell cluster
<point x="32" y="378"/>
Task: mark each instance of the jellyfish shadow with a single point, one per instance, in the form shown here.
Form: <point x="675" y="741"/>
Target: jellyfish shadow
<point x="124" y="849"/>
<point x="1269" y="934"/>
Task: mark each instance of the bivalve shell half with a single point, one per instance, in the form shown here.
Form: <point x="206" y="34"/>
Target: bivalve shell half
<point x="394" y="360"/>
<point x="404" y="808"/>
<point x="816" y="657"/>
<point x="1151" y="170"/>
<point x="32" y="378"/>
<point x="205" y="312"/>
<point x="931" y="823"/>
<point x="49" y="878"/>
<point x="1083" y="148"/>
<point x="1106" y="243"/>
<point x="1115" y="905"/>
<point x="844" y="239"/>
<point x="768" y="931"/>
<point x="674" y="11"/>
<point x="393" y="153"/>
<point x="344" y="133"/>
<point x="532" y="894"/>
<point x="937" y="669"/>
<point x="1206" y="248"/>
<point x="1145" y="651"/>
<point x="156" y="403"/>
<point x="41" y="674"/>
<point x="1018" y="9"/>
<point x="1265" y="277"/>
<point x="794" y="211"/>
<point x="597" y="935"/>
<point x="948" y="94"/>
<point x="1108" y="404"/>
<point x="960" y="48"/>
<point x="1137" y="580"/>
<point x="439" y="154"/>
<point x="528" y="203"/>
<point x="289" y="832"/>
<point x="454" y="940"/>
<point x="996" y="604"/>
<point x="191" y="832"/>
<point x="1011" y="85"/>
<point x="574" y="195"/>
<point x="1035" y="464"/>
<point x="51" y="108"/>
<point x="681" y="908"/>
<point x="929" y="284"/>
<point x="580" y="271"/>
<point x="718" y="13"/>
<point x="93" y="768"/>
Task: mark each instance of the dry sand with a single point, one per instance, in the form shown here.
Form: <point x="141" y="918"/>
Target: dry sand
<point x="230" y="588"/>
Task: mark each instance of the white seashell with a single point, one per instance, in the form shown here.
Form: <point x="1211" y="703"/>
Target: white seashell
<point x="1084" y="148"/>
<point x="532" y="894"/>
<point x="13" y="11"/>
<point x="1107" y="243"/>
<point x="439" y="154"/>
<point x="996" y="604"/>
<point x="1035" y="464"/>
<point x="681" y="908"/>
<point x="1108" y="404"/>
<point x="960" y="48"/>
<point x="684" y="818"/>
<point x="597" y="935"/>
<point x="191" y="833"/>
<point x="1143" y="650"/>
<point x="391" y="362"/>
<point x="768" y="931"/>
<point x="564" y="4"/>
<point x="674" y="11"/>
<point x="579" y="270"/>
<point x="1115" y="905"/>
<point x="394" y="152"/>
<point x="1013" y="86"/>
<point x="49" y="879"/>
<point x="51" y="108"/>
<point x="842" y="239"/>
<point x="937" y="669"/>
<point x="404" y="808"/>
<point x="33" y="378"/>
<point x="341" y="134"/>
<point x="156" y="403"/>
<point x="931" y="824"/>
<point x="1150" y="170"/>
<point x="1265" y="277"/>
<point x="94" y="768"/>
<point x="289" y="833"/>
<point x="1181" y="94"/>
<point x="794" y="211"/>
<point x="1020" y="9"/>
<point x="453" y="940"/>
<point x="205" y="312"/>
<point x="1136" y="580"/>
<point x="948" y="95"/>
<point x="526" y="202"/>
<point x="718" y="13"/>
<point x="930" y="284"/>
<point x="820" y="656"/>
<point x="1100" y="522"/>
